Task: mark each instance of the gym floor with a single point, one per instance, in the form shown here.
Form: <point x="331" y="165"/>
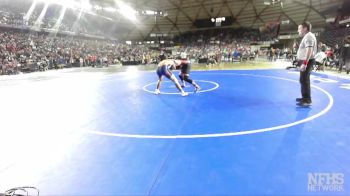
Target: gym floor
<point x="103" y="132"/>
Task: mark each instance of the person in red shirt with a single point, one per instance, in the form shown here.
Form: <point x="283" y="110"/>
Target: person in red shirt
<point x="330" y="53"/>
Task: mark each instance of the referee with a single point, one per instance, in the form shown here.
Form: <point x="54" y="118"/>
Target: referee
<point x="305" y="55"/>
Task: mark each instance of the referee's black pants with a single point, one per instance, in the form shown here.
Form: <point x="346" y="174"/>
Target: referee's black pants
<point x="305" y="81"/>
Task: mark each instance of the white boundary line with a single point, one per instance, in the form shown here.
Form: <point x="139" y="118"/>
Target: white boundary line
<point x="227" y="134"/>
<point x="201" y="91"/>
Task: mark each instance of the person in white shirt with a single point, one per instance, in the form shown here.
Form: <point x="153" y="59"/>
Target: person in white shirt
<point x="306" y="57"/>
<point x="320" y="58"/>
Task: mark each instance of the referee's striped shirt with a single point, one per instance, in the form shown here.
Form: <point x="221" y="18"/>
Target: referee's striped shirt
<point x="309" y="40"/>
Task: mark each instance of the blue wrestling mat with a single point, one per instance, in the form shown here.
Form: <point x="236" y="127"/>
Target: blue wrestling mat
<point x="109" y="134"/>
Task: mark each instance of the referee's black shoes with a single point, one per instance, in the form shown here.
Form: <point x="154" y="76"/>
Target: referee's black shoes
<point x="303" y="103"/>
<point x="298" y="99"/>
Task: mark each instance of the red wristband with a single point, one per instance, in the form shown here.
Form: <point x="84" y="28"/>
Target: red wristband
<point x="305" y="62"/>
<point x="184" y="61"/>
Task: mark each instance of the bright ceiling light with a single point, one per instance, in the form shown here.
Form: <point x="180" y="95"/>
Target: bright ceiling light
<point x="59" y="21"/>
<point x="149" y="12"/>
<point x="97" y="7"/>
<point x="85" y="5"/>
<point x="65" y="3"/>
<point x="39" y="20"/>
<point x="110" y="9"/>
<point x="127" y="11"/>
<point x="30" y="11"/>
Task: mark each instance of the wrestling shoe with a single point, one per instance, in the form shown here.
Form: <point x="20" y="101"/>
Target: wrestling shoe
<point x="184" y="94"/>
<point x="197" y="88"/>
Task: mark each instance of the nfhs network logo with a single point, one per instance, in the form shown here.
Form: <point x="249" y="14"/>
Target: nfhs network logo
<point x="333" y="182"/>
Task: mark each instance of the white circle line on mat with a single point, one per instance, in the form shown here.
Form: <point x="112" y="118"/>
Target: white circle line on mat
<point x="236" y="133"/>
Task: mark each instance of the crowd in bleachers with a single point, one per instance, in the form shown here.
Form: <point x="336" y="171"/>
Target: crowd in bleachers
<point x="222" y="44"/>
<point x="33" y="51"/>
<point x="334" y="36"/>
<point x="26" y="50"/>
<point x="232" y="52"/>
<point x="14" y="15"/>
<point x="30" y="49"/>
